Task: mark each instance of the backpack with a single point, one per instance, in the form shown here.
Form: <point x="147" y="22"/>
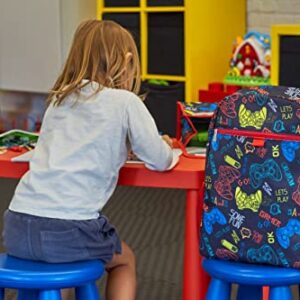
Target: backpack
<point x="252" y="183"/>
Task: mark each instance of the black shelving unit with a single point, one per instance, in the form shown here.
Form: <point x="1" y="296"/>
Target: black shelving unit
<point x="130" y="21"/>
<point x="289" y="65"/>
<point x="166" y="43"/>
<point x="121" y="3"/>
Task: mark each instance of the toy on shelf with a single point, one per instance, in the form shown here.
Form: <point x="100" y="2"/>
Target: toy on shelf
<point x="251" y="60"/>
<point x="192" y="123"/>
<point x="216" y="92"/>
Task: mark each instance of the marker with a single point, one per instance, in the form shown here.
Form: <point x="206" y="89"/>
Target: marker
<point x="231" y="161"/>
<point x="229" y="246"/>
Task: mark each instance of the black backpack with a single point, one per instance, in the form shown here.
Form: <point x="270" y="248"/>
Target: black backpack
<point x="252" y="183"/>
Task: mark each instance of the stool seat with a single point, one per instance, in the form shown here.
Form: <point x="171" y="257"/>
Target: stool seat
<point x="249" y="274"/>
<point x="43" y="281"/>
<point x="251" y="279"/>
<point x="19" y="273"/>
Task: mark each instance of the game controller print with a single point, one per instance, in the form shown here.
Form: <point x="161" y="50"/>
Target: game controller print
<point x="289" y="149"/>
<point x="251" y="201"/>
<point x="296" y="194"/>
<point x="227" y="175"/>
<point x="228" y="107"/>
<point x="285" y="233"/>
<point x="212" y="217"/>
<point x="264" y="254"/>
<point x="268" y="169"/>
<point x="255" y="119"/>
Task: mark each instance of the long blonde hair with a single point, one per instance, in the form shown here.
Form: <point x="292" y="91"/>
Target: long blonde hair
<point x="102" y="51"/>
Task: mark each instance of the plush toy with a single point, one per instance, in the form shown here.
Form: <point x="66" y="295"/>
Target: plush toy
<point x="250" y="61"/>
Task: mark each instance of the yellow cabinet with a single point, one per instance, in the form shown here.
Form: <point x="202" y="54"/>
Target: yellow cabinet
<point x="188" y="41"/>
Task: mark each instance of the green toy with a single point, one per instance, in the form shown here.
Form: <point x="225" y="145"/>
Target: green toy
<point x="199" y="140"/>
<point x="159" y="82"/>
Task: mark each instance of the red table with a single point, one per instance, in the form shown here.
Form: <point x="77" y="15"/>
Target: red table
<point x="188" y="175"/>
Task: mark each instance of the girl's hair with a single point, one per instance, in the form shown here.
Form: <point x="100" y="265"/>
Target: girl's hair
<point x="104" y="52"/>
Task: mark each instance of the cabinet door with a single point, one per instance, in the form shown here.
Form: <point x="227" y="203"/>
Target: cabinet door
<point x="30" y="44"/>
<point x="164" y="2"/>
<point x="289" y="65"/>
<point x="130" y="21"/>
<point x="121" y="3"/>
<point x="166" y="43"/>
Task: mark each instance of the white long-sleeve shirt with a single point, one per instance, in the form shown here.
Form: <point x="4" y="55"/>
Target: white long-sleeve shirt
<point x="81" y="148"/>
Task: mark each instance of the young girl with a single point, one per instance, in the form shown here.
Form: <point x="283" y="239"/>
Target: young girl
<point x="93" y="115"/>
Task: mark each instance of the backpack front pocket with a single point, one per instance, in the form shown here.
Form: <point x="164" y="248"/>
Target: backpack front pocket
<point x="252" y="194"/>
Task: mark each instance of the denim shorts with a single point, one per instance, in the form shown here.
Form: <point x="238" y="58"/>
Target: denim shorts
<point x="58" y="241"/>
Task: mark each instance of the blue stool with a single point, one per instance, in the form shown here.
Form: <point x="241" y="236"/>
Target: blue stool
<point x="253" y="277"/>
<point x="43" y="281"/>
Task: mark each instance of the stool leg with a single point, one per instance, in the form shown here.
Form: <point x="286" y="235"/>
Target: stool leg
<point x="249" y="292"/>
<point x="218" y="289"/>
<point x="24" y="294"/>
<point x="49" y="295"/>
<point x="88" y="291"/>
<point x="280" y="293"/>
<point x="266" y="291"/>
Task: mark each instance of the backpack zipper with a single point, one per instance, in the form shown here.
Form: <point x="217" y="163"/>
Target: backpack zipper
<point x="258" y="137"/>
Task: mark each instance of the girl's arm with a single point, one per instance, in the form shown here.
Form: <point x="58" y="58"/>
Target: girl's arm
<point x="144" y="138"/>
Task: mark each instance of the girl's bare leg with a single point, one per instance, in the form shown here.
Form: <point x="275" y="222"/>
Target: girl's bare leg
<point x="121" y="281"/>
<point x="66" y="294"/>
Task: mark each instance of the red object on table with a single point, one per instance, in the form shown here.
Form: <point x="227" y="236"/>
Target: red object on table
<point x="188" y="175"/>
<point x="180" y="114"/>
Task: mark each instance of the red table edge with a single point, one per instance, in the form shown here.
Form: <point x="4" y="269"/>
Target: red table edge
<point x="188" y="174"/>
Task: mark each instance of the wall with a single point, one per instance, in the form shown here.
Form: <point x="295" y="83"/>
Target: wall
<point x="19" y="109"/>
<point x="262" y="13"/>
<point x="35" y="36"/>
<point x="74" y="11"/>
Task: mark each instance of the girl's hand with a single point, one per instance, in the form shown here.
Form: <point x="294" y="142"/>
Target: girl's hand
<point x="131" y="155"/>
<point x="168" y="140"/>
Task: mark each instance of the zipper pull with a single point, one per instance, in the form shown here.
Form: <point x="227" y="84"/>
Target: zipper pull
<point x="214" y="139"/>
<point x="258" y="142"/>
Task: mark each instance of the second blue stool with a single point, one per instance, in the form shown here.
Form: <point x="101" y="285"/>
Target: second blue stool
<point x="224" y="273"/>
<point x="43" y="281"/>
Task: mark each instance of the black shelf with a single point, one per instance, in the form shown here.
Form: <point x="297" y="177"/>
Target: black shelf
<point x="166" y="43"/>
<point x="165" y="3"/>
<point x="161" y="102"/>
<point x="130" y="21"/>
<point x="121" y="3"/>
<point x="289" y="64"/>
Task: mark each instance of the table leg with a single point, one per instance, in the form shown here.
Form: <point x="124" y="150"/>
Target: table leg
<point x="195" y="280"/>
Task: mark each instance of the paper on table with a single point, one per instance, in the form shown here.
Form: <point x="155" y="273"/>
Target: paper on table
<point x="176" y="154"/>
<point x="25" y="157"/>
<point x="197" y="151"/>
